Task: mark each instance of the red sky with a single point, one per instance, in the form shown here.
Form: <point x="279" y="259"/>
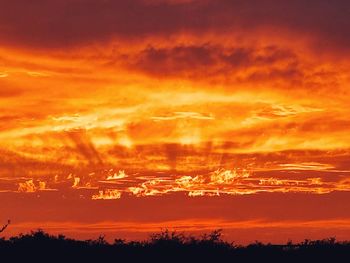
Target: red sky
<point x="125" y="117"/>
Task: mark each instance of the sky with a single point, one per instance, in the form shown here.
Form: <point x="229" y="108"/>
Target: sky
<point x="127" y="117"/>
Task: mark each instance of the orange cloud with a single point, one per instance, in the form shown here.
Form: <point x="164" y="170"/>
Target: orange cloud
<point x="208" y="100"/>
<point x="107" y="195"/>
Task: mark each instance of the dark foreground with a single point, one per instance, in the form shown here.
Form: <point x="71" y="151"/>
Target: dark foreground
<point x="166" y="247"/>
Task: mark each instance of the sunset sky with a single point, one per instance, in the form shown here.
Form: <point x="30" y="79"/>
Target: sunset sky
<point x="128" y="116"/>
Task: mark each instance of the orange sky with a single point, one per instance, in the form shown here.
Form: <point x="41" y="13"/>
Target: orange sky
<point x="127" y="117"/>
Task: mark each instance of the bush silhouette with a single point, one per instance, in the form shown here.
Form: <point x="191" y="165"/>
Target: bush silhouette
<point x="166" y="246"/>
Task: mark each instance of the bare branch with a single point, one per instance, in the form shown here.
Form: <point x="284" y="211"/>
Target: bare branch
<point x="5" y="226"/>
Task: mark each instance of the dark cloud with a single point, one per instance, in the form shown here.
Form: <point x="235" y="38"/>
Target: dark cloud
<point x="208" y="60"/>
<point x="59" y="23"/>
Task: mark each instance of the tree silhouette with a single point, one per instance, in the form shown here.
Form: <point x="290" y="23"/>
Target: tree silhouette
<point x="167" y="246"/>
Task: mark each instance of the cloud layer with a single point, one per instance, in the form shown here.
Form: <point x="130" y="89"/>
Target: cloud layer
<point x="175" y="100"/>
<point x="63" y="23"/>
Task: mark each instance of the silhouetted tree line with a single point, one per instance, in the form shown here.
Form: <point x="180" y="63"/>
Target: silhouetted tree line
<point x="166" y="246"/>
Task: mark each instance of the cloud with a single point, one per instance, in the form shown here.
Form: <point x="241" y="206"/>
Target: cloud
<point x="208" y="61"/>
<point x="182" y="115"/>
<point x="176" y="110"/>
<point x="65" y="23"/>
<point x="30" y="186"/>
<point x="108" y="194"/>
